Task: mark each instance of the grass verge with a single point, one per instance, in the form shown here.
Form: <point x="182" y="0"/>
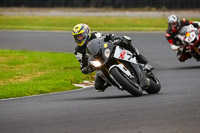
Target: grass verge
<point x="96" y="23"/>
<point x="25" y="73"/>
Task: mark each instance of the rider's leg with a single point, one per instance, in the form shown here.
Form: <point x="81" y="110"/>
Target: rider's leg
<point x="127" y="45"/>
<point x="100" y="84"/>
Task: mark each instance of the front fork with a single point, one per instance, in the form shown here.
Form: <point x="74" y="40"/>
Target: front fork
<point x="111" y="79"/>
<point x="143" y="81"/>
<point x="124" y="70"/>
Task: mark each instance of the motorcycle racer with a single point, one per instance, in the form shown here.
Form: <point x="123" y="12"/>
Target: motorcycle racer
<point x="174" y="26"/>
<point x="82" y="35"/>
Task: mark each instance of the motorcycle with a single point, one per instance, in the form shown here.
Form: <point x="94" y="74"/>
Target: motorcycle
<point x="119" y="67"/>
<point x="189" y="35"/>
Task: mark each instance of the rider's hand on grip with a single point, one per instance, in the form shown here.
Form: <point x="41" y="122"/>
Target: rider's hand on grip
<point x="117" y="41"/>
<point x="174" y="47"/>
<point x="108" y="37"/>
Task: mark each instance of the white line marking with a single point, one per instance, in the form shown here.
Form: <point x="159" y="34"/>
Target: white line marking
<point x="16" y="98"/>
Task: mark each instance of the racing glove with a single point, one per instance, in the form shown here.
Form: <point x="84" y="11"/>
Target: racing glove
<point x="174" y="47"/>
<point x="109" y="37"/>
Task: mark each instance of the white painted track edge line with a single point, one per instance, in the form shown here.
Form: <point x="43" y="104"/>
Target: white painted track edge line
<point x="53" y="93"/>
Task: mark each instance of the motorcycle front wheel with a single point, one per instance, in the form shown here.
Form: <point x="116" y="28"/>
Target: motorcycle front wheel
<point x="125" y="82"/>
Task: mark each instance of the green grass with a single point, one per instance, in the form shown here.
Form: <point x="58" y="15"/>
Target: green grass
<point x="57" y="23"/>
<point x="96" y="23"/>
<point x="25" y="73"/>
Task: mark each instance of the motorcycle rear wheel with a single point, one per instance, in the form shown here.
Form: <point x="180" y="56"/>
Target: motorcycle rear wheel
<point x="154" y="85"/>
<point x="125" y="82"/>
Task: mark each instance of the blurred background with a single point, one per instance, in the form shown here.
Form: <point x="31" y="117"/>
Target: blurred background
<point x="162" y="4"/>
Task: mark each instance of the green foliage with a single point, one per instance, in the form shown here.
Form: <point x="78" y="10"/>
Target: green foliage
<point x="24" y="73"/>
<point x="96" y="23"/>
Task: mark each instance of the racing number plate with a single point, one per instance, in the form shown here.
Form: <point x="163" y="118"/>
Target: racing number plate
<point x="124" y="55"/>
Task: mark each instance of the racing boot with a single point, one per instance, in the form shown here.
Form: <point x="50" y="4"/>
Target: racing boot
<point x="102" y="88"/>
<point x="100" y="84"/>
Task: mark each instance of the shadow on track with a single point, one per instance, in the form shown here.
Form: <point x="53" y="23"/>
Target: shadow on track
<point x="109" y="97"/>
<point x="102" y="97"/>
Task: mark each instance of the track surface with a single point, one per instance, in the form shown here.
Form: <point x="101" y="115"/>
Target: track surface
<point x="176" y="109"/>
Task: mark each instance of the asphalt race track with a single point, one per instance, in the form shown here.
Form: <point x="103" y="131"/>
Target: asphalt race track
<point x="176" y="109"/>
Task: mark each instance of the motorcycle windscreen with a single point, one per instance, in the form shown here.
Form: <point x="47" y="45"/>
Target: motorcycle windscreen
<point x="94" y="46"/>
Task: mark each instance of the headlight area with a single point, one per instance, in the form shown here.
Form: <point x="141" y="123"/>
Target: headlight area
<point x="107" y="53"/>
<point x="96" y="63"/>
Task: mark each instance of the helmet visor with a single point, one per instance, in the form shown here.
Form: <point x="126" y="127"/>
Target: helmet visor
<point x="80" y="38"/>
<point x="173" y="24"/>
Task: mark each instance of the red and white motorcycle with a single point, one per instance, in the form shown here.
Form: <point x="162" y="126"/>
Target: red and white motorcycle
<point x="189" y="35"/>
<point x="119" y="68"/>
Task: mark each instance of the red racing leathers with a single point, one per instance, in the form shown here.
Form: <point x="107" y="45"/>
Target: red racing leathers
<point x="175" y="42"/>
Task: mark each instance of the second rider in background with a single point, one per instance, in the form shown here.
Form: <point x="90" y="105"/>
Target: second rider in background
<point x="174" y="26"/>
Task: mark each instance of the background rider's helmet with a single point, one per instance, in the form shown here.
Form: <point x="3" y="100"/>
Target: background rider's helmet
<point x="81" y="34"/>
<point x="174" y="22"/>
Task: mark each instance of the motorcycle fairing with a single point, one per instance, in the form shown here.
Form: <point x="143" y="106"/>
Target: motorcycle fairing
<point x="123" y="54"/>
<point x="122" y="68"/>
<point x="126" y="55"/>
